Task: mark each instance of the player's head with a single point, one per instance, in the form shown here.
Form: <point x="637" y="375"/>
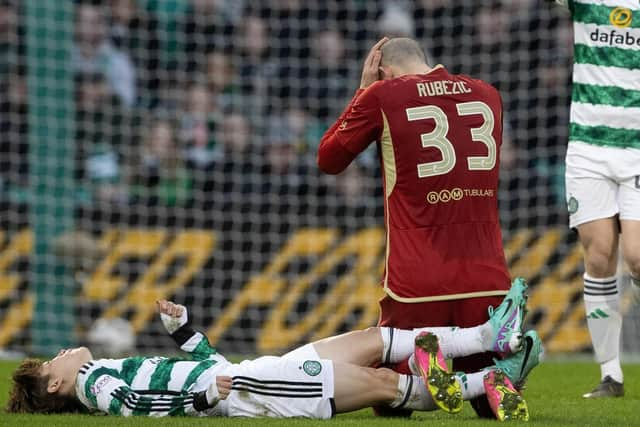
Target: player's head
<point x="402" y="56"/>
<point x="48" y="387"/>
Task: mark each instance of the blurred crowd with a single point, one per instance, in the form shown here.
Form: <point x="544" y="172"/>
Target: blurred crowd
<point x="208" y="113"/>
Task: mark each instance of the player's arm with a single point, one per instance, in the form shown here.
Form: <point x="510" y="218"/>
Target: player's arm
<point x="176" y="321"/>
<point x="101" y="388"/>
<point x="359" y="124"/>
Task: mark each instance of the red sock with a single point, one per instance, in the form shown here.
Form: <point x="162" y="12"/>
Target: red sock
<point x="402" y="367"/>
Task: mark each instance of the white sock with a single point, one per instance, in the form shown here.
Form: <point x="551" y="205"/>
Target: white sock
<point x="459" y="342"/>
<point x="472" y="384"/>
<point x="413" y="394"/>
<point x="398" y="344"/>
<point x="602" y="305"/>
<point x="613" y="369"/>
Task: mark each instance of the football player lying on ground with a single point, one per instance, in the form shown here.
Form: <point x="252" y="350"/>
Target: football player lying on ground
<point x="316" y="380"/>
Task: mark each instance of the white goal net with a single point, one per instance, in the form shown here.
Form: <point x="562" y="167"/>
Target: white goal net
<point x="166" y="149"/>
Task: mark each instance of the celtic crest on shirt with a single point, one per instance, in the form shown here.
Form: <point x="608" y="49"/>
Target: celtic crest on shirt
<point x="572" y="205"/>
<point x="312" y="367"/>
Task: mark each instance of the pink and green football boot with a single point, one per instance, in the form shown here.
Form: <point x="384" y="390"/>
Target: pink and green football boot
<point x="507" y="319"/>
<point x="505" y="401"/>
<point x="442" y="385"/>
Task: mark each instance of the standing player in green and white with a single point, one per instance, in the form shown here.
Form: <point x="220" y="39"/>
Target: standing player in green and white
<point x="603" y="166"/>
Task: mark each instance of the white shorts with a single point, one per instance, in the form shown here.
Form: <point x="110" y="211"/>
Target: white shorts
<point x="281" y="388"/>
<point x="307" y="351"/>
<point x="602" y="182"/>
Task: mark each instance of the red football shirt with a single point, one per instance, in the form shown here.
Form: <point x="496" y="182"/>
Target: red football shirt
<point x="439" y="138"/>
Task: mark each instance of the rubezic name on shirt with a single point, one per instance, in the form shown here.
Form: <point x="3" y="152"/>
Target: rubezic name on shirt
<point x="442" y="87"/>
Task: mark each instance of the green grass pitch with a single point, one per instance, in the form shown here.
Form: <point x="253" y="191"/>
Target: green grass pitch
<point x="553" y="394"/>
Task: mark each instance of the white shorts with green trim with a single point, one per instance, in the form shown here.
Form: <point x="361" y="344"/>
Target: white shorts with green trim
<point x="602" y="182"/>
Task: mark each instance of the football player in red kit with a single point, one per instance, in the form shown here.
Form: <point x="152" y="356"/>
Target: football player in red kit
<point x="439" y="138"/>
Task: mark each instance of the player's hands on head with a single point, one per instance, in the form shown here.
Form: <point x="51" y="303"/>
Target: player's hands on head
<point x="370" y="69"/>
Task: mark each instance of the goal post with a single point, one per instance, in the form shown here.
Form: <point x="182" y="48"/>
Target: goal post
<point x="49" y="34"/>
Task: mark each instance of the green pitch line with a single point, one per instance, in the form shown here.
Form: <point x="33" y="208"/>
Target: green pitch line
<point x="553" y="394"/>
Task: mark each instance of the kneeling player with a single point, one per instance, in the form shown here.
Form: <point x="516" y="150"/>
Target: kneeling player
<point x="316" y="381"/>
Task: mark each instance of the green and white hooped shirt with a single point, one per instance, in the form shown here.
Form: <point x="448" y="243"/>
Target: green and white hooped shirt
<point x="605" y="103"/>
<point x="153" y="386"/>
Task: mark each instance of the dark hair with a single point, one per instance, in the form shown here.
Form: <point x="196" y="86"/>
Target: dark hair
<point x="29" y="392"/>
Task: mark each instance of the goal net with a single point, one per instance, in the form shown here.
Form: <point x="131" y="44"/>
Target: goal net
<point x="166" y="149"/>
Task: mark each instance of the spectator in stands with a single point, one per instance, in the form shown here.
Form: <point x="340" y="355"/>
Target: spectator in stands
<point x="93" y="52"/>
<point x="134" y="31"/>
<point x="161" y="178"/>
<point x="329" y="77"/>
<point x="439" y="25"/>
<point x="204" y="27"/>
<point x="302" y="126"/>
<point x="492" y="39"/>
<point x="513" y="202"/>
<point x="350" y="200"/>
<point x="233" y="160"/>
<point x="102" y="123"/>
<point x="14" y="145"/>
<point x="198" y="124"/>
<point x="291" y="190"/>
<point x="540" y="132"/>
<point x="235" y="137"/>
<point x="395" y="21"/>
<point x="280" y="149"/>
<point x="256" y="70"/>
<point x="13" y="97"/>
<point x="290" y="27"/>
<point x="221" y="78"/>
<point x="103" y="135"/>
<point x="537" y="88"/>
<point x="104" y="177"/>
<point x="226" y="186"/>
<point x="9" y="35"/>
<point x="288" y="20"/>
